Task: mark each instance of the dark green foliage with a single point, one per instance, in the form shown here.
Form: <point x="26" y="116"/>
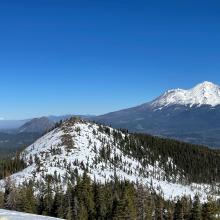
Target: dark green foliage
<point x="193" y="163"/>
<point x="111" y="201"/>
<point x="208" y="211"/>
<point x="67" y="141"/>
<point x="9" y="166"/>
<point x="196" y="210"/>
<point x="178" y="211"/>
<point x="10" y="143"/>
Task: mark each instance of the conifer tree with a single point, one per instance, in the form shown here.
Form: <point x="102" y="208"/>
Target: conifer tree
<point x="159" y="215"/>
<point x="48" y="197"/>
<point x="208" y="211"/>
<point x="141" y="203"/>
<point x="85" y="196"/>
<point x="12" y="198"/>
<point x="28" y="199"/>
<point x="100" y="209"/>
<point x="1" y="200"/>
<point x="149" y="207"/>
<point x="8" y="186"/>
<point x="178" y="211"/>
<point x="126" y="208"/>
<point x="196" y="209"/>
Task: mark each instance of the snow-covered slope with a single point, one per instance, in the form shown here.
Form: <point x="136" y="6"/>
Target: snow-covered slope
<point x="205" y="93"/>
<point x="13" y="215"/>
<point x="78" y="145"/>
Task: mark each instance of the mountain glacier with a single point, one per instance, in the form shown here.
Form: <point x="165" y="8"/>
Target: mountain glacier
<point x="205" y="93"/>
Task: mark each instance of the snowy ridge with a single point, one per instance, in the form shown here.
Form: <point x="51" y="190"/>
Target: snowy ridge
<point x="76" y="146"/>
<point x="205" y="93"/>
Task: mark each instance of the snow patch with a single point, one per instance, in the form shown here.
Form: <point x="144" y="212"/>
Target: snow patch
<point x="13" y="215"/>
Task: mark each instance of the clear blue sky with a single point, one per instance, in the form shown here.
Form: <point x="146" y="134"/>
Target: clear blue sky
<point x="92" y="57"/>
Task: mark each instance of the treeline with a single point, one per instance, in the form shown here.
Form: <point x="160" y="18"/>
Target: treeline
<point x="192" y="163"/>
<point x="10" y="143"/>
<point x="112" y="201"/>
<point x="199" y="164"/>
<point x="9" y="166"/>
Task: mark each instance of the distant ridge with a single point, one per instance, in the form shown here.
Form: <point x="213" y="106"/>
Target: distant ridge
<point x="38" y="125"/>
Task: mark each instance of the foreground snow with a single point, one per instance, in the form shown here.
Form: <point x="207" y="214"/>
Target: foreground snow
<point x="12" y="215"/>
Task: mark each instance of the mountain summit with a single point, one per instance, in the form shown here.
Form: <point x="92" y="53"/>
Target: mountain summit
<point x="190" y="115"/>
<point x="205" y="93"/>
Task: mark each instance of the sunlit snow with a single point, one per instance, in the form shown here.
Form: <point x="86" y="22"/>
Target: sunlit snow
<point x="205" y="93"/>
<point x="13" y="215"/>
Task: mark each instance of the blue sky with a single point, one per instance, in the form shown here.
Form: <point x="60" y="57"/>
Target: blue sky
<point x="92" y="57"/>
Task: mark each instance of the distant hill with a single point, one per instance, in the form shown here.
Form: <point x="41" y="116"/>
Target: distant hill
<point x="37" y="125"/>
<point x="12" y="124"/>
<point x="11" y="142"/>
<point x="24" y="132"/>
<point x="169" y="168"/>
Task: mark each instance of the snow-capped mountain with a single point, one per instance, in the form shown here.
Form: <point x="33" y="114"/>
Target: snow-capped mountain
<point x="205" y="93"/>
<point x="78" y="145"/>
<point x="190" y="115"/>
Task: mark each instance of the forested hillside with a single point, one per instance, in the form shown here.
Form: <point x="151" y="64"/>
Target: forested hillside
<point x="86" y="199"/>
<point x="84" y="170"/>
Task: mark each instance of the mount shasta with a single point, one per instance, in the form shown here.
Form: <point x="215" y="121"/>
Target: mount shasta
<point x="189" y="115"/>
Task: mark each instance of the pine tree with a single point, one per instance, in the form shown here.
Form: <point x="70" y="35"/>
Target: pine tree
<point x="8" y="186"/>
<point x="82" y="212"/>
<point x="57" y="207"/>
<point x="187" y="205"/>
<point x="69" y="197"/>
<point x="75" y="207"/>
<point x="141" y="203"/>
<point x="178" y="211"/>
<point x="126" y="207"/>
<point x="48" y="197"/>
<point x="159" y="215"/>
<point x="1" y="200"/>
<point x="149" y="207"/>
<point x="100" y="209"/>
<point x="120" y="212"/>
<point x="208" y="211"/>
<point x="170" y="214"/>
<point x="12" y="198"/>
<point x="29" y="201"/>
<point x="196" y="209"/>
<point x="85" y="197"/>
